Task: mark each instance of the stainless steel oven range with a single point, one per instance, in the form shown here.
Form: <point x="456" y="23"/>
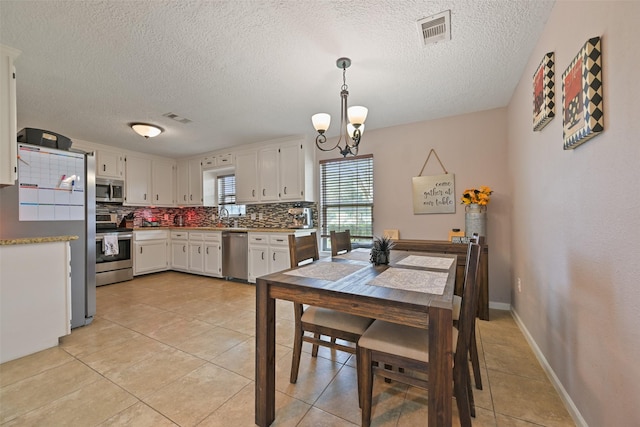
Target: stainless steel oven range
<point x="114" y="249"/>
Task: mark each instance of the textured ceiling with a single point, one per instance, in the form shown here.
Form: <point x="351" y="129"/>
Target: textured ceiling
<point x="249" y="71"/>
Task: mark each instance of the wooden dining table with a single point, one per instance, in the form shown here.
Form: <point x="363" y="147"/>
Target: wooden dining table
<point x="350" y="284"/>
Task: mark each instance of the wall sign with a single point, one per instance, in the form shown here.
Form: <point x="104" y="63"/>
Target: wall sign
<point x="434" y="194"/>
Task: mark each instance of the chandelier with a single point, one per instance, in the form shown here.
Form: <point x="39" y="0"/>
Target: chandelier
<point x="351" y="120"/>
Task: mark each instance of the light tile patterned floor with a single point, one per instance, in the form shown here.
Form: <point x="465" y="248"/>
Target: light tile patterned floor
<point x="177" y="349"/>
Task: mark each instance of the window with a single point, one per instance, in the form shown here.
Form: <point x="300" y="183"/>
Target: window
<point x="346" y="199"/>
<point x="227" y="195"/>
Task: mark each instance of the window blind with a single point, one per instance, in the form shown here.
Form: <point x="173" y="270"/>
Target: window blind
<point x="346" y="201"/>
<point x="226" y="189"/>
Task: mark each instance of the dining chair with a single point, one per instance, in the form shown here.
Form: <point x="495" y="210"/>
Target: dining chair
<point x="340" y="242"/>
<point x="317" y="320"/>
<point x="408" y="347"/>
<point x="457" y="305"/>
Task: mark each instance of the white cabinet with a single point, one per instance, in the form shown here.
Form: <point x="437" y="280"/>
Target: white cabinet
<point x="179" y="250"/>
<point x="217" y="161"/>
<point x="196" y="252"/>
<point x="109" y="164"/>
<point x="189" y="182"/>
<point x="150" y="251"/>
<point x="8" y="117"/>
<point x="213" y="254"/>
<point x="138" y="181"/>
<point x="162" y="175"/>
<point x="268" y="253"/>
<point x="276" y="172"/>
<point x="247" y="177"/>
<point x="268" y="167"/>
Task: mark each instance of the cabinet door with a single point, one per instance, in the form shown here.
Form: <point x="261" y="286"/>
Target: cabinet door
<point x="163" y="182"/>
<point x="258" y="262"/>
<point x="279" y="259"/>
<point x="213" y="259"/>
<point x="138" y="181"/>
<point x="182" y="183"/>
<point x="179" y="256"/>
<point x="109" y="164"/>
<point x="247" y="177"/>
<point x="150" y="256"/>
<point x="8" y="117"/>
<point x="195" y="182"/>
<point x="268" y="166"/>
<point x="196" y="257"/>
<point x="291" y="172"/>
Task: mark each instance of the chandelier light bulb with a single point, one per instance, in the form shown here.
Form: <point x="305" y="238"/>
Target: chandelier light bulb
<point x="321" y="122"/>
<point x="357" y="114"/>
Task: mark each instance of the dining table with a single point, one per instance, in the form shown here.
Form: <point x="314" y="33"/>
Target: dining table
<point x="415" y="289"/>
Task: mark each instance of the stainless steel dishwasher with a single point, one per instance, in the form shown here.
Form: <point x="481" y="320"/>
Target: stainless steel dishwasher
<point x="235" y="255"/>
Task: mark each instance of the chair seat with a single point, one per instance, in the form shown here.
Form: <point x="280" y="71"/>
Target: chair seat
<point x="336" y="320"/>
<point x="405" y="341"/>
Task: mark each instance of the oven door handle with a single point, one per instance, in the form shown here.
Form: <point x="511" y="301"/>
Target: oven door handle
<point x="120" y="237"/>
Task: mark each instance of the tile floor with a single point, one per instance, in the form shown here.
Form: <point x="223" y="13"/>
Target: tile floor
<point x="177" y="349"/>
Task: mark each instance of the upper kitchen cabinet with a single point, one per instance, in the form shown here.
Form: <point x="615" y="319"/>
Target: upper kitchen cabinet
<point x="189" y="182"/>
<point x="8" y="117"/>
<point x="247" y="177"/>
<point x="110" y="164"/>
<point x="163" y="182"/>
<point x="277" y="172"/>
<point x="138" y="181"/>
<point x="217" y="161"/>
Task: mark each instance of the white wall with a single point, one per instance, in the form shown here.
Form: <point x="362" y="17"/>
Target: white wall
<point x="471" y="146"/>
<point x="576" y="226"/>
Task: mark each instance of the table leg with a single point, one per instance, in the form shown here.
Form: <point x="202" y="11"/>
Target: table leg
<point x="440" y="367"/>
<point x="265" y="355"/>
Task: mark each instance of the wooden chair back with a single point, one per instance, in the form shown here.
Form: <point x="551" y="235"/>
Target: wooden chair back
<point x="340" y="242"/>
<point x="302" y="248"/>
<point x="468" y="309"/>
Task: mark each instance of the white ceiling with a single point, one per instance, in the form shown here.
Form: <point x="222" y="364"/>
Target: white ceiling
<point x="250" y="71"/>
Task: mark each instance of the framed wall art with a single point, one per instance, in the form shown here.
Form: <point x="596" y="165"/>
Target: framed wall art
<point x="583" y="115"/>
<point x="544" y="92"/>
<point x="433" y="194"/>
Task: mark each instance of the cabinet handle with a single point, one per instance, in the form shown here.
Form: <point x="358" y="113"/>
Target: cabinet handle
<point x="157" y="195"/>
<point x="263" y="255"/>
<point x="253" y="193"/>
<point x="185" y="197"/>
<point x="207" y="251"/>
<point x="184" y="248"/>
<point x="190" y="196"/>
<point x="104" y="168"/>
<point x="145" y="196"/>
<point x="198" y="249"/>
<point x="274" y="256"/>
<point x="285" y="190"/>
<point x="263" y="191"/>
<point x="140" y="249"/>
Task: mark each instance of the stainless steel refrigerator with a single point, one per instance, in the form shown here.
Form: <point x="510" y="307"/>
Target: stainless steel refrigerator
<point x="83" y="250"/>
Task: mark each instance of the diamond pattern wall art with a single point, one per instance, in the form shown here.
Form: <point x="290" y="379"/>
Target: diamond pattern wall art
<point x="544" y="91"/>
<point x="583" y="115"/>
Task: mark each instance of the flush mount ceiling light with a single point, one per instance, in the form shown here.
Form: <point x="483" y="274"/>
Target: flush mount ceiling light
<point x="351" y="120"/>
<point x="146" y="130"/>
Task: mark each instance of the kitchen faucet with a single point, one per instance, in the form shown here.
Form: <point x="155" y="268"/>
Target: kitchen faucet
<point x="224" y="214"/>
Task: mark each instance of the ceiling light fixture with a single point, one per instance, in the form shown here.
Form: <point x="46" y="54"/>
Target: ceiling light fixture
<point x="146" y="130"/>
<point x="351" y="119"/>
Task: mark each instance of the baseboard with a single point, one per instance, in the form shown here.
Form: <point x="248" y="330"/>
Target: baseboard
<point x="571" y="407"/>
<point x="500" y="305"/>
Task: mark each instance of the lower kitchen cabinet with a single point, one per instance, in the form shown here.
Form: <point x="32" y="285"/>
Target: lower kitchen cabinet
<point x="179" y="250"/>
<point x="150" y="251"/>
<point x="196" y="252"/>
<point x="213" y="254"/>
<point x="269" y="253"/>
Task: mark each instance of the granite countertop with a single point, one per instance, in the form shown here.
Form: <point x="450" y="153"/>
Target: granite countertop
<point x="232" y="229"/>
<point x="32" y="240"/>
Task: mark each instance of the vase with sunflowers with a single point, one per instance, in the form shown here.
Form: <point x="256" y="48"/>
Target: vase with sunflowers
<point x="476" y="201"/>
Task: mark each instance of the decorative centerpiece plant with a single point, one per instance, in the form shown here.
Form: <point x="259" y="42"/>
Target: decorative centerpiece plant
<point x="380" y="250"/>
<point x="479" y="196"/>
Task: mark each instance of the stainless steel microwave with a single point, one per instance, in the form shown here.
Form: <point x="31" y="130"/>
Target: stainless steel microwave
<point x="109" y="190"/>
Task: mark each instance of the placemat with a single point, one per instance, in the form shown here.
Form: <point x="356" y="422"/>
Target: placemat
<point x="326" y="270"/>
<point x="427" y="262"/>
<point x="431" y="282"/>
<point x="358" y="254"/>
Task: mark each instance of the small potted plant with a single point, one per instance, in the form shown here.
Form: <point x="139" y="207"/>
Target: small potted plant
<point x="380" y="250"/>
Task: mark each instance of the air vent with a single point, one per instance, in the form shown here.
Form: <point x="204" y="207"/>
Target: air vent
<point x="435" y="28"/>
<point x="177" y="118"/>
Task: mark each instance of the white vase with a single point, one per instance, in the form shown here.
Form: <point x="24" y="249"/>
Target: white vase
<point x="475" y="220"/>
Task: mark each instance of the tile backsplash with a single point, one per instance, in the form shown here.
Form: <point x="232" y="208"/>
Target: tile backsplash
<point x="274" y="215"/>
